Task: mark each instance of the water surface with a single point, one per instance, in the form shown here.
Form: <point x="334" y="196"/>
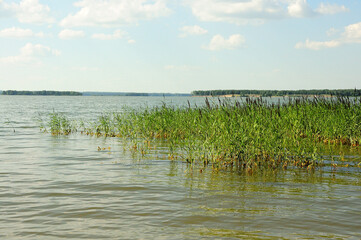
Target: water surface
<point x="62" y="187"/>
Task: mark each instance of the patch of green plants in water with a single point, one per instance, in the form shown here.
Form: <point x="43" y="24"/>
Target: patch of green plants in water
<point x="59" y="124"/>
<point x="251" y="134"/>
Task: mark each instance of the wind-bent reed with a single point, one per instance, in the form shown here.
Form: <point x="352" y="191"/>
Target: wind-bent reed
<point x="249" y="134"/>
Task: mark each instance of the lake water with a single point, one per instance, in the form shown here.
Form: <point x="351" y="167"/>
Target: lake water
<point x="62" y="187"/>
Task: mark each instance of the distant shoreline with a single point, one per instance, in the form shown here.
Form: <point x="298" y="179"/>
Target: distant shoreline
<point x="257" y="96"/>
<point x="278" y="93"/>
<point x="74" y="93"/>
<point x="41" y="93"/>
<point x="201" y="93"/>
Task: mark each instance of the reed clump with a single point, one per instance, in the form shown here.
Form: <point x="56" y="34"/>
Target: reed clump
<point x="249" y="134"/>
<point x="59" y="124"/>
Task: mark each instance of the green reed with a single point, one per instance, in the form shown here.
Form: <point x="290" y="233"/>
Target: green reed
<point x="248" y="134"/>
<point x="59" y="124"/>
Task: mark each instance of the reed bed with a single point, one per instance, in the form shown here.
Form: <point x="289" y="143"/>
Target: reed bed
<point x="249" y="134"/>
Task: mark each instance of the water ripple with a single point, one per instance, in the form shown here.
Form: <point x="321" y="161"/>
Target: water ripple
<point x="61" y="187"/>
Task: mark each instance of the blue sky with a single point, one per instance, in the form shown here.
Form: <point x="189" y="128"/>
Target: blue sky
<point x="179" y="45"/>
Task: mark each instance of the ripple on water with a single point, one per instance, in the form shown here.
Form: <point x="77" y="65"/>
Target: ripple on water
<point x="62" y="187"/>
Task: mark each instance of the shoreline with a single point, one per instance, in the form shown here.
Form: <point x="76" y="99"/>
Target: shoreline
<point x="258" y="96"/>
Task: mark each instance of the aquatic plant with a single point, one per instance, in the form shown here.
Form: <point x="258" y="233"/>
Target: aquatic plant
<point x="60" y="124"/>
<point x="248" y="134"/>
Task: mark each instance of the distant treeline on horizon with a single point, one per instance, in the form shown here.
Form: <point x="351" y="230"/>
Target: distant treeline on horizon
<point x="270" y="93"/>
<point x="127" y="94"/>
<point x="242" y="93"/>
<point x="42" y="93"/>
<point x="73" y="93"/>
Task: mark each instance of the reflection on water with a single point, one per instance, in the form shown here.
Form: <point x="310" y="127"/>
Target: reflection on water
<point x="54" y="187"/>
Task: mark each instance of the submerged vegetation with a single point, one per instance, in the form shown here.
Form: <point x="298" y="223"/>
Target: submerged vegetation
<point x="251" y="134"/>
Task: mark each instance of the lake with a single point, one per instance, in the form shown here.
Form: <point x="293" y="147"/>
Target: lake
<point x="63" y="187"/>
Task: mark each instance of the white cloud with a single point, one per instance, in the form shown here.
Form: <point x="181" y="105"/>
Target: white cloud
<point x="218" y="42"/>
<point x="192" y="30"/>
<point x="299" y="9"/>
<point x="31" y="53"/>
<point x="15" y="32"/>
<point x="131" y="41"/>
<point x="234" y="11"/>
<point x="117" y="34"/>
<point x="30" y="11"/>
<point x="351" y="34"/>
<point x="70" y="34"/>
<point x="114" y="13"/>
<point x="38" y="50"/>
<point x="256" y="11"/>
<point x="326" y="8"/>
<point x="314" y="45"/>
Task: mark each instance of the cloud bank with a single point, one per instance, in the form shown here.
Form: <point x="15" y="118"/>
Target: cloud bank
<point x="31" y="53"/>
<point x="218" y="42"/>
<point x="15" y="32"/>
<point x="257" y="11"/>
<point x="192" y="31"/>
<point x="28" y="11"/>
<point x="351" y="34"/>
<point x="70" y="34"/>
<point x="110" y="13"/>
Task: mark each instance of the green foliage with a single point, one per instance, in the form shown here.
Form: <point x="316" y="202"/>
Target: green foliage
<point x="269" y="93"/>
<point x="42" y="93"/>
<point x="250" y="134"/>
<point x="60" y="124"/>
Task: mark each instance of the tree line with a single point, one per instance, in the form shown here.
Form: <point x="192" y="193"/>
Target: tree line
<point x="280" y="93"/>
<point x="42" y="93"/>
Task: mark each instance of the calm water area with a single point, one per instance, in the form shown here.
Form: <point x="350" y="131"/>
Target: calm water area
<point x="62" y="187"/>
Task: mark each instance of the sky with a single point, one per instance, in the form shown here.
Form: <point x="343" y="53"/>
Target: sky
<point x="178" y="46"/>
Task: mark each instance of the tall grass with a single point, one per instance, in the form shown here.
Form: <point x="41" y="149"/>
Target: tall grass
<point x="248" y="134"/>
<point x="59" y="124"/>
